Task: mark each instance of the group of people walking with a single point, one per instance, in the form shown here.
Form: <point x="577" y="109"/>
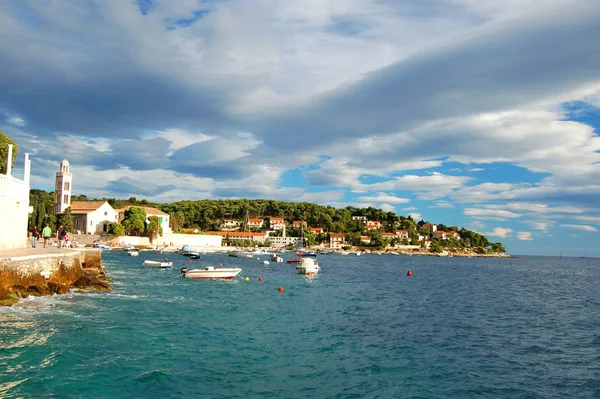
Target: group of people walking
<point x="46" y="234"/>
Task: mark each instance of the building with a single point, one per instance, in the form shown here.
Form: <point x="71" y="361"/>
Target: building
<point x="62" y="187"/>
<point x="372" y="225"/>
<point x="190" y="230"/>
<point x="388" y="236"/>
<point x="255" y="223"/>
<point x="298" y="224"/>
<point x="93" y="217"/>
<point x="432" y="227"/>
<point x="402" y="234"/>
<point x="317" y="230"/>
<point x="337" y="240"/>
<point x="444" y="235"/>
<point x="162" y="216"/>
<point x="360" y="218"/>
<point x="365" y="239"/>
<point x="240" y="235"/>
<point x="276" y="223"/>
<point x="230" y="225"/>
<point x="281" y="242"/>
<point x="14" y="205"/>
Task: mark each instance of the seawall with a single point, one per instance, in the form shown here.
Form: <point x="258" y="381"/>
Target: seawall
<point x="48" y="271"/>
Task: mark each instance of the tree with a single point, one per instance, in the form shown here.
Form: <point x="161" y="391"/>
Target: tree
<point x="153" y="229"/>
<point x="134" y="221"/>
<point x="66" y="219"/>
<point x="4" y="142"/>
<point x="498" y="247"/>
<point x="116" y="229"/>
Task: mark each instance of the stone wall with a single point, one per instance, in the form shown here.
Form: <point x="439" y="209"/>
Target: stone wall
<point x="50" y="273"/>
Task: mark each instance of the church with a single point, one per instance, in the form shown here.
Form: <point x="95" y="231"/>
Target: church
<point x="89" y="217"/>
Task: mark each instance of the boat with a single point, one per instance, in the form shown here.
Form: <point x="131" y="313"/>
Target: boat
<point x="211" y="272"/>
<point x="260" y="252"/>
<point x="241" y="254"/>
<point x="165" y="264"/>
<point x="276" y="258"/>
<point x="133" y="252"/>
<point x="186" y="250"/>
<point x="308" y="266"/>
<point x="300" y="254"/>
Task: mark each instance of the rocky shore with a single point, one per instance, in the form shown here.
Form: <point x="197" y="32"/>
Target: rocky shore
<point x="50" y="271"/>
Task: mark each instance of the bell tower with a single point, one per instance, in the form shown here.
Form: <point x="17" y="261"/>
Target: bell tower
<point x="62" y="189"/>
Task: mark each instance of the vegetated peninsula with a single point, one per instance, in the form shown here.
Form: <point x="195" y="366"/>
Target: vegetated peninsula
<point x="336" y="228"/>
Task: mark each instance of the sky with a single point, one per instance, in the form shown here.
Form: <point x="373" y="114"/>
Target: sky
<point x="476" y="113"/>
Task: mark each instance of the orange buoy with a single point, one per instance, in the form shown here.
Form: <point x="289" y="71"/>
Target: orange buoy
<point x="409" y="272"/>
<point x="280" y="288"/>
<point x="308" y="273"/>
<point x="220" y="264"/>
<point x="260" y="279"/>
<point x="190" y="261"/>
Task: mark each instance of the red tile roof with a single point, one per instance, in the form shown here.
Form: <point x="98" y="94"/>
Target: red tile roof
<point x="149" y="210"/>
<point x="80" y="207"/>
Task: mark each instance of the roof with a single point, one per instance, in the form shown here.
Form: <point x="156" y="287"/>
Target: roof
<point x="276" y="219"/>
<point x="190" y="229"/>
<point x="337" y="235"/>
<point x="254" y="220"/>
<point x="388" y="235"/>
<point x="82" y="207"/>
<point x="149" y="210"/>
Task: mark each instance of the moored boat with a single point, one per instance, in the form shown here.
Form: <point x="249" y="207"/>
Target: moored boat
<point x="133" y="252"/>
<point x="211" y="272"/>
<point x="186" y="250"/>
<point x="155" y="263"/>
<point x="241" y="254"/>
<point x="308" y="266"/>
<point x="276" y="258"/>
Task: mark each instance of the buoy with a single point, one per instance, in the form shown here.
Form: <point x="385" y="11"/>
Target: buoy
<point x="308" y="273"/>
<point x="220" y="264"/>
<point x="280" y="288"/>
<point x="265" y="262"/>
<point x="260" y="279"/>
<point x="409" y="272"/>
<point x="190" y="261"/>
<point x="247" y="279"/>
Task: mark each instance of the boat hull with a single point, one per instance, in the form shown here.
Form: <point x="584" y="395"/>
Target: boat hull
<point x="162" y="265"/>
<point x="212" y="273"/>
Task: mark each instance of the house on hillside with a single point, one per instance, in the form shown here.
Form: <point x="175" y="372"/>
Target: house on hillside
<point x="402" y="234"/>
<point x="255" y="223"/>
<point x="365" y="239"/>
<point x="162" y="216"/>
<point x="362" y="219"/>
<point x="444" y="235"/>
<point x="93" y="217"/>
<point x="230" y="225"/>
<point x="337" y="240"/>
<point x="276" y="223"/>
<point x="317" y="230"/>
<point x="372" y="225"/>
<point x="432" y="227"/>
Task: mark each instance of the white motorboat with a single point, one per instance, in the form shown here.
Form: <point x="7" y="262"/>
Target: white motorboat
<point x="133" y="252"/>
<point x="211" y="272"/>
<point x="165" y="264"/>
<point x="308" y="266"/>
<point x="186" y="250"/>
<point x="241" y="254"/>
<point x="276" y="258"/>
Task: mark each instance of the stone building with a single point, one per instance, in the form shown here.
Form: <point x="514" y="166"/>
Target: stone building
<point x="93" y="217"/>
<point x="64" y="179"/>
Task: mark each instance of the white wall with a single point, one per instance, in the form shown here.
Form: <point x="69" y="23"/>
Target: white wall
<point x="96" y="220"/>
<point x="14" y="210"/>
<point x="193" y="240"/>
<point x="14" y="206"/>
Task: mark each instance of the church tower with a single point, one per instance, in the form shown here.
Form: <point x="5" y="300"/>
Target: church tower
<point x="63" y="188"/>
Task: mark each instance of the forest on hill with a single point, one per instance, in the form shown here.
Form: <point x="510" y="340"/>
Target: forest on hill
<point x="208" y="214"/>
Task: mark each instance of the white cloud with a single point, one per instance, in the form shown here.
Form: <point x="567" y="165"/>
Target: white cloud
<point x="524" y="236"/>
<point x="416" y="216"/>
<point x="16" y="121"/>
<point x="443" y="204"/>
<point x="501" y="232"/>
<point x="584" y="227"/>
<point x="490" y="214"/>
<point x="383" y="197"/>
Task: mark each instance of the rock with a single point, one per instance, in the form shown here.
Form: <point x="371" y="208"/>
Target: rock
<point x="56" y="288"/>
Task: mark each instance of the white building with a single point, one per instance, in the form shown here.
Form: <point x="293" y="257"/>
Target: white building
<point x="162" y="216"/>
<point x="281" y="242"/>
<point x="276" y="223"/>
<point x="93" y="217"/>
<point x="14" y="205"/>
<point x="64" y="179"/>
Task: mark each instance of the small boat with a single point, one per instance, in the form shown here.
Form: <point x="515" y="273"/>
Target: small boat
<point x="306" y="254"/>
<point x="165" y="264"/>
<point x="276" y="258"/>
<point x="133" y="252"/>
<point x="186" y="250"/>
<point x="194" y="256"/>
<point x="211" y="272"/>
<point x="297" y="260"/>
<point x="241" y="254"/>
<point x="308" y="266"/>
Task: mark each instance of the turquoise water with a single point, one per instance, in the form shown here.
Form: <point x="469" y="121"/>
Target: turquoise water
<point x="458" y="328"/>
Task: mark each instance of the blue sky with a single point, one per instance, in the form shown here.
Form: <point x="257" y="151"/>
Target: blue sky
<point x="482" y="114"/>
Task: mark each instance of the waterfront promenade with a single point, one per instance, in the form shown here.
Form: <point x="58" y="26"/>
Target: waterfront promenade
<point x="28" y="253"/>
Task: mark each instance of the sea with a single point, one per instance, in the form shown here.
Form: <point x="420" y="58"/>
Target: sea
<point x="524" y="327"/>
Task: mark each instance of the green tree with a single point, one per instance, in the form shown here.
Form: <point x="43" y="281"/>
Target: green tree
<point x="153" y="229"/>
<point x="66" y="219"/>
<point x="4" y="142"/>
<point x="498" y="247"/>
<point x="436" y="247"/>
<point x="134" y="221"/>
<point x="116" y="229"/>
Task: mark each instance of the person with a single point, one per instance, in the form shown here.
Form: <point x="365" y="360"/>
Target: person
<point x="46" y="233"/>
<point x="62" y="236"/>
<point x="35" y="234"/>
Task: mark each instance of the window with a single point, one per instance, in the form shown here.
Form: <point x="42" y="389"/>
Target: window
<point x="91" y="223"/>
